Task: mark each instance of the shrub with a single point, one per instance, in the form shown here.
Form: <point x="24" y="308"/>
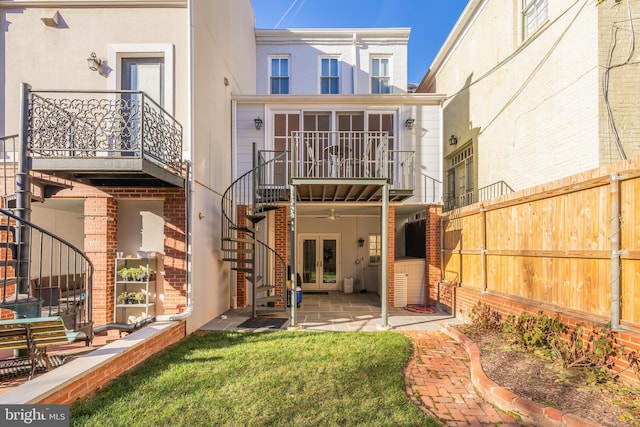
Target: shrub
<point x="483" y="317"/>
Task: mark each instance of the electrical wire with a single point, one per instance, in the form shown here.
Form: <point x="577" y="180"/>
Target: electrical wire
<point x="606" y="76"/>
<point x="514" y="54"/>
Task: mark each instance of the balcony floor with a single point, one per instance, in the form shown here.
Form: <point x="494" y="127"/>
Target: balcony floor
<point x="109" y="171"/>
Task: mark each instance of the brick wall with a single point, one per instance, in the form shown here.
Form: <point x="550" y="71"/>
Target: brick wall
<point x="433" y="260"/>
<point x="621" y="77"/>
<point x="241" y="276"/>
<point x="281" y="247"/>
<point x="464" y="299"/>
<point x="94" y="379"/>
<point x="100" y="244"/>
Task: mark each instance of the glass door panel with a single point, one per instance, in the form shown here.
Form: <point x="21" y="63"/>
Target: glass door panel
<point x="329" y="261"/>
<point x="309" y="262"/>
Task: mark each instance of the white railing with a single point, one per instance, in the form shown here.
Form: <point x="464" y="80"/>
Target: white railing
<point x="351" y="155"/>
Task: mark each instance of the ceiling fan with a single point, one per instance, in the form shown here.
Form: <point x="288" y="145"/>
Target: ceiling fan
<point x="332" y="215"/>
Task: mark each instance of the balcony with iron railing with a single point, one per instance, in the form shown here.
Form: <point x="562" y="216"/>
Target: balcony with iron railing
<point x="490" y="191"/>
<point x="341" y="166"/>
<point x="113" y="138"/>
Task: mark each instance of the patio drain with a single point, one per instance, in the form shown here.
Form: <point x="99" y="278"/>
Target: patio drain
<point x="22" y="367"/>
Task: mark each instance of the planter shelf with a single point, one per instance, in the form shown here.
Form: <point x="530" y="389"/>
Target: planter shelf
<point x="124" y="312"/>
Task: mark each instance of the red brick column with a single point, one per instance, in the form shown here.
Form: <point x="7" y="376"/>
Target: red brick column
<point x="282" y="248"/>
<point x="175" y="250"/>
<point x="433" y="263"/>
<point x="241" y="276"/>
<point x="100" y="245"/>
<point x="391" y="256"/>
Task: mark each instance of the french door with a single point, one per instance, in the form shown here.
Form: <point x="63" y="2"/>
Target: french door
<point x="319" y="261"/>
<point x="139" y="74"/>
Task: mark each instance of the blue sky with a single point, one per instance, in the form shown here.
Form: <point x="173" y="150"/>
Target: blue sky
<point x="430" y="21"/>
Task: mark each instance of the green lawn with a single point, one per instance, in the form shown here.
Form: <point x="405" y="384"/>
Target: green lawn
<point x="263" y="379"/>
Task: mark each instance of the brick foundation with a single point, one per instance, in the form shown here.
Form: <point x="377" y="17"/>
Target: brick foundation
<point x="91" y="380"/>
<point x="462" y="300"/>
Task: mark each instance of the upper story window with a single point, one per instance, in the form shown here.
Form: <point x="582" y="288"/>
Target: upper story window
<point x="380" y="78"/>
<point x="534" y="14"/>
<point x="280" y="75"/>
<point x="329" y="78"/>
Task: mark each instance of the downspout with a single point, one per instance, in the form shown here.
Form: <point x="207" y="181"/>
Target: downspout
<point x="23" y="195"/>
<point x="189" y="187"/>
<point x="614" y="199"/>
<point x="293" y="321"/>
<point x="354" y="68"/>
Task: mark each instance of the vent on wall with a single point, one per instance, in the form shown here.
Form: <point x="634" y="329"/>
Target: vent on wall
<point x="400" y="290"/>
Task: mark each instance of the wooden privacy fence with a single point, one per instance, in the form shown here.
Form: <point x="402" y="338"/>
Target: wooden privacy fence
<point x="573" y="244"/>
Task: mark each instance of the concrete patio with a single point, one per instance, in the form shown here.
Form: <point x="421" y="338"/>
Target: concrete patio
<point x="338" y="311"/>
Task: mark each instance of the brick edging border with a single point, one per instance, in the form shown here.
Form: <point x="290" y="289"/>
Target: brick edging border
<point x="508" y="401"/>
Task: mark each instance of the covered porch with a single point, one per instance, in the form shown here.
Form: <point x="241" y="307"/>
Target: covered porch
<point x="339" y="311"/>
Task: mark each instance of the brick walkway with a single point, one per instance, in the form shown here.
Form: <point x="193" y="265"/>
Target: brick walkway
<point x="439" y="381"/>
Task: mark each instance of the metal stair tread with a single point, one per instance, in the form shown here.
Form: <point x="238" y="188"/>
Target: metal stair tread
<point x="272" y="298"/>
<point x="237" y="239"/>
<point x="255" y="218"/>
<point x="239" y="260"/>
<point x="238" y="250"/>
<point x="244" y="229"/>
<point x="263" y="288"/>
<point x="265" y="208"/>
<point x="243" y="269"/>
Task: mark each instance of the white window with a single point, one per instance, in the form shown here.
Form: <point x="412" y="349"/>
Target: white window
<point x="375" y="249"/>
<point x="380" y="77"/>
<point x="279" y="75"/>
<point x="534" y="14"/>
<point x="329" y="76"/>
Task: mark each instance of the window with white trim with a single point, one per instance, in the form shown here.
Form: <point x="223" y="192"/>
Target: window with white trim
<point x="534" y="14"/>
<point x="375" y="249"/>
<point x="279" y="74"/>
<point x="460" y="185"/>
<point x="380" y="76"/>
<point x="329" y="75"/>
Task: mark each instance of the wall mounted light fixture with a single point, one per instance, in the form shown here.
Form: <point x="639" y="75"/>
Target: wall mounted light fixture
<point x="51" y="18"/>
<point x="409" y="123"/>
<point x="361" y="242"/>
<point x="453" y="140"/>
<point x="94" y="62"/>
<point x="258" y="122"/>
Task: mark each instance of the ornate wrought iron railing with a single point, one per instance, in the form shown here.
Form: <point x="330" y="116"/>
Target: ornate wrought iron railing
<point x="71" y="124"/>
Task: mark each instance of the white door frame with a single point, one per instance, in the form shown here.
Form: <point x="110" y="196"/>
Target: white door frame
<point x="318" y="284"/>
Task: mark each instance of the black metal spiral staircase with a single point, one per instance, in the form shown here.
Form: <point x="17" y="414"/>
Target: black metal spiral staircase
<point x="41" y="274"/>
<point x="244" y="205"/>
